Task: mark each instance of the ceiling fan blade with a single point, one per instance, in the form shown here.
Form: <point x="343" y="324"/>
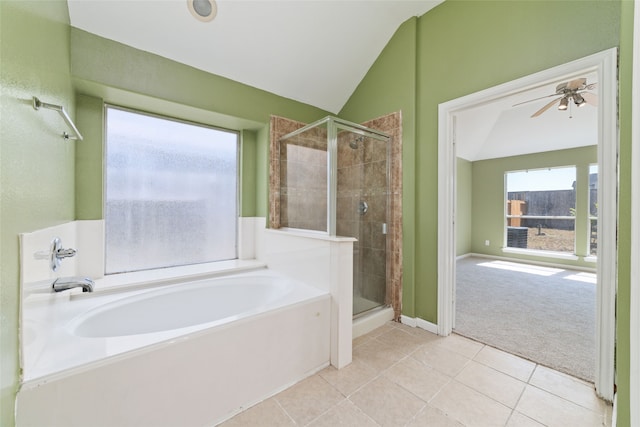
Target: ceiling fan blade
<point x="591" y="86"/>
<point x="591" y="98"/>
<point x="546" y="107"/>
<point x="534" y="99"/>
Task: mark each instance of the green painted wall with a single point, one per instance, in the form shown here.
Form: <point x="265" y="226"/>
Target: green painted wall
<point x="623" y="319"/>
<point x="464" y="187"/>
<point x="390" y="86"/>
<point x="487" y="222"/>
<point x="465" y="47"/>
<point x="89" y="172"/>
<point x="248" y="173"/>
<point x="36" y="164"/>
<point x="105" y="71"/>
<point x="462" y="47"/>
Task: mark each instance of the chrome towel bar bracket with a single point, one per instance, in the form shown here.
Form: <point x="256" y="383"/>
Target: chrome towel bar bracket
<point x="37" y="104"/>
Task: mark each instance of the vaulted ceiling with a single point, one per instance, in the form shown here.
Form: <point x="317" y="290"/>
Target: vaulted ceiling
<point x="317" y="52"/>
<point x="313" y="51"/>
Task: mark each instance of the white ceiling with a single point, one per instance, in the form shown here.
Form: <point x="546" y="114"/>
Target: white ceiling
<point x="313" y="51"/>
<point x="498" y="129"/>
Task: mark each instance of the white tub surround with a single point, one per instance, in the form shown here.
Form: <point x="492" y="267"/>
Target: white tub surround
<point x="190" y="376"/>
<point x="83" y="365"/>
<point x="325" y="262"/>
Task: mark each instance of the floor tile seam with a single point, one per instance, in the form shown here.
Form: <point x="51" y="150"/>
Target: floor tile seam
<point x="435" y="368"/>
<point x="362" y="412"/>
<point x="541" y="387"/>
<point x="440" y="391"/>
<point x="379" y="373"/>
<point x="514" y="410"/>
<point x="482" y="345"/>
<point x="325" y="411"/>
<point x="498" y="372"/>
<point x="282" y="408"/>
<point x="386" y="343"/>
<point x="597" y="412"/>
<point x="418" y="412"/>
<point x="505" y="373"/>
<point x="571" y="378"/>
<point x="526" y="416"/>
<point x="418" y="397"/>
<point x="485" y="395"/>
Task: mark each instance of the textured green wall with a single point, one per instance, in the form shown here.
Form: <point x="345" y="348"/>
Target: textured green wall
<point x="389" y="86"/>
<point x="624" y="219"/>
<point x="463" y="47"/>
<point x="89" y="172"/>
<point x="36" y="164"/>
<point x="464" y="187"/>
<point x="488" y="197"/>
<point x="248" y="173"/>
<point x="107" y="71"/>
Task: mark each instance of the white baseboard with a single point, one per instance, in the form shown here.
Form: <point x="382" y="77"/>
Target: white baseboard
<point x="416" y="322"/>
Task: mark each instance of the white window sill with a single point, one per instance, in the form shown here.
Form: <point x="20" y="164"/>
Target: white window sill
<point x="591" y="258"/>
<point x="542" y="254"/>
<point x="167" y="276"/>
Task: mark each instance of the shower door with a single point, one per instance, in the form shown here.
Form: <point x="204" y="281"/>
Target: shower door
<point x="362" y="194"/>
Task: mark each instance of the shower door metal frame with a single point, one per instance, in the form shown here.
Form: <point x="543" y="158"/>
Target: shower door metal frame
<point x="333" y="124"/>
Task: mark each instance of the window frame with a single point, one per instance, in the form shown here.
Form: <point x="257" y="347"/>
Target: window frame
<point x="539" y="252"/>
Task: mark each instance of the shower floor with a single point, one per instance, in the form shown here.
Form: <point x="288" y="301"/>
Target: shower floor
<point x="360" y="305"/>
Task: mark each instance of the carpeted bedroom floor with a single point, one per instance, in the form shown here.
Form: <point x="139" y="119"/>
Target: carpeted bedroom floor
<point x="543" y="314"/>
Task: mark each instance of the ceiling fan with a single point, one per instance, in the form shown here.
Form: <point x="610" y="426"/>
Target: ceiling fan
<point x="574" y="90"/>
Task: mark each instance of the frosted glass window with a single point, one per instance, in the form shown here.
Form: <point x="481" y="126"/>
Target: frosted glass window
<point x="171" y="192"/>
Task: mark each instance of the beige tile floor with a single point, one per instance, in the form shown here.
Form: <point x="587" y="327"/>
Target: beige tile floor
<point x="403" y="376"/>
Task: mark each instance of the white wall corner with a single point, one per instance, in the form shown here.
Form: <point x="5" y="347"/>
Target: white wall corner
<point x="90" y="244"/>
<point x="341" y="288"/>
<point x="247" y="237"/>
<point x="260" y="226"/>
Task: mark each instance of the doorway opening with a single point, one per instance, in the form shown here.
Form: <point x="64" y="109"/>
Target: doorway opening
<point x="603" y="67"/>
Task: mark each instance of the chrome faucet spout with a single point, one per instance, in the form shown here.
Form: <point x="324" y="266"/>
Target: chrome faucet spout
<point x="66" y="283"/>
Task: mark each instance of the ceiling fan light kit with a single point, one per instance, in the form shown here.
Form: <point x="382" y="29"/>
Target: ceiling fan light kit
<point x="576" y="90"/>
<point x="564" y="103"/>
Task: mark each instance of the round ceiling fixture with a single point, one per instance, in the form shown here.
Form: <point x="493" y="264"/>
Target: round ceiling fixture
<point x="203" y="10"/>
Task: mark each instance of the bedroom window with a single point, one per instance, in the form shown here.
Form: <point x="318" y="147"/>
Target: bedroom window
<point x="171" y="193"/>
<point x="540" y="209"/>
<point x="593" y="210"/>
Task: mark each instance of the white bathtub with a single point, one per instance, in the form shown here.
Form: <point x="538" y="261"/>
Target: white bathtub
<point x="191" y="354"/>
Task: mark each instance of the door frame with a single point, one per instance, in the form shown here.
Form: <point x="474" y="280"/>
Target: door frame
<point x="605" y="64"/>
<point x="634" y="327"/>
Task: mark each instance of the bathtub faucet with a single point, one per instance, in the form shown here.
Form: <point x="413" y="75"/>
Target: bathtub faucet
<point x="65" y="283"/>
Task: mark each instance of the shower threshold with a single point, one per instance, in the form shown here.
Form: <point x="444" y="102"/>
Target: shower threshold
<point x="363" y="306"/>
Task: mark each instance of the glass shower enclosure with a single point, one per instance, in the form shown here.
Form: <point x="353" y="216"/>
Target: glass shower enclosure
<point x="334" y="179"/>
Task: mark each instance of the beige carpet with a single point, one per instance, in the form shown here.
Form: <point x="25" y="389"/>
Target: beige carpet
<point x="543" y="314"/>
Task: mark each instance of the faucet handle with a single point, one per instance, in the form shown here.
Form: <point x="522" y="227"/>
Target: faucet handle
<point x="65" y="253"/>
<point x="57" y="253"/>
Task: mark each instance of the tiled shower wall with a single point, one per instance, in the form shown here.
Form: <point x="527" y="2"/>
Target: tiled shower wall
<point x="362" y="181"/>
<point x="365" y="170"/>
<point x="303" y="181"/>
